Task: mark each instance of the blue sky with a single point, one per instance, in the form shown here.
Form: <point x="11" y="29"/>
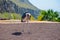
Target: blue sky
<point x="47" y="4"/>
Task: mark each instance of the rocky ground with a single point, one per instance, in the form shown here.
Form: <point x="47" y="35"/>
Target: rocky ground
<point x="29" y="31"/>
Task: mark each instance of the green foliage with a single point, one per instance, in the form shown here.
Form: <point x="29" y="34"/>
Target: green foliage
<point x="48" y="15"/>
<point x="41" y="15"/>
<point x="32" y="18"/>
<point x="4" y="15"/>
<point x="15" y="16"/>
<point x="58" y="19"/>
<point x="10" y="16"/>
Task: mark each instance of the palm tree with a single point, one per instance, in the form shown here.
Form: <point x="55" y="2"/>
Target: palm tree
<point x="48" y="15"/>
<point x="52" y="15"/>
<point x="42" y="15"/>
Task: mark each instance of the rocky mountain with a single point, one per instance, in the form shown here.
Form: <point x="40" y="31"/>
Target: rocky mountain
<point x="7" y="6"/>
<point x="18" y="6"/>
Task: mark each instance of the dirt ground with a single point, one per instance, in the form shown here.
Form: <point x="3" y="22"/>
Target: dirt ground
<point x="29" y="31"/>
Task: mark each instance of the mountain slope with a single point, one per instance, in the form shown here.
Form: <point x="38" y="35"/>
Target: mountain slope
<point x="18" y="6"/>
<point x="23" y="4"/>
<point x="7" y="6"/>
